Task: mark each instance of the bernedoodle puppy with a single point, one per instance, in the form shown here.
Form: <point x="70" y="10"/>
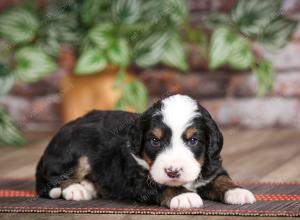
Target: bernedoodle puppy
<point x="169" y="155"/>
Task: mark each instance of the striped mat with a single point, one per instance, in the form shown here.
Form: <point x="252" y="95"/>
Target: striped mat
<point x="273" y="199"/>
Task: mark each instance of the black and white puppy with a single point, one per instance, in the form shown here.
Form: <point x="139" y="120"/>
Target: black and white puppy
<point x="169" y="155"/>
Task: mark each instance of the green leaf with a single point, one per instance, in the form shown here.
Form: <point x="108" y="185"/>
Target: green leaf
<point x="277" y="34"/>
<point x="102" y="35"/>
<point x="18" y="25"/>
<point x="62" y="28"/>
<point x="33" y="64"/>
<point x="91" y="61"/>
<point x="177" y="11"/>
<point x="9" y="133"/>
<point x="174" y="54"/>
<point x="254" y="15"/>
<point x="171" y="14"/>
<point x="221" y="46"/>
<point x="94" y="11"/>
<point x="118" y="53"/>
<point x="229" y="48"/>
<point x="118" y="83"/>
<point x="149" y="51"/>
<point x="217" y="20"/>
<point x="6" y="52"/>
<point x="7" y="80"/>
<point x="121" y="104"/>
<point x="265" y="76"/>
<point x="241" y="56"/>
<point x="135" y="94"/>
<point x="49" y="46"/>
<point x="126" y="11"/>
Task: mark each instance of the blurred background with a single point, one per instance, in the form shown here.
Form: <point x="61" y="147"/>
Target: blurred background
<point x="61" y="58"/>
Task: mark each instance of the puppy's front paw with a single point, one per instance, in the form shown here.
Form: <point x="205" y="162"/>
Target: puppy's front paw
<point x="239" y="196"/>
<point x="186" y="201"/>
<point x="76" y="192"/>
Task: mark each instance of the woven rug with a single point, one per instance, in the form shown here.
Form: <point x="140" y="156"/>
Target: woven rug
<point x="273" y="199"/>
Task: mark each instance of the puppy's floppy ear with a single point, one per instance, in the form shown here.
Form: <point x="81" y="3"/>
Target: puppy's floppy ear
<point x="214" y="145"/>
<point x="138" y="128"/>
<point x="135" y="136"/>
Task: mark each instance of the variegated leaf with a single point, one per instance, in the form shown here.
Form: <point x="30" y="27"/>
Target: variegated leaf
<point x="254" y="15"/>
<point x="118" y="53"/>
<point x="33" y="64"/>
<point x="174" y="53"/>
<point x="135" y="94"/>
<point x="265" y="74"/>
<point x="18" y="25"/>
<point x="126" y="11"/>
<point x="277" y="34"/>
<point x="150" y="50"/>
<point x="7" y="80"/>
<point x="91" y="61"/>
<point x="102" y="35"/>
<point x="241" y="56"/>
<point x="9" y="133"/>
<point x="221" y="46"/>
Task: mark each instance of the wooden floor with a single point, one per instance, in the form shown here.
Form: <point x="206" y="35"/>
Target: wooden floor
<point x="247" y="154"/>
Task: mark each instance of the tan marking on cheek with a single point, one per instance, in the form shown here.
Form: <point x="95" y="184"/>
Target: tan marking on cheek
<point x="158" y="133"/>
<point x="190" y="132"/>
<point x="147" y="159"/>
<point x="201" y="160"/>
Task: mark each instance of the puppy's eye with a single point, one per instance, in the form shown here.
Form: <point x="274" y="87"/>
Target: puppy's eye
<point x="155" y="142"/>
<point x="192" y="141"/>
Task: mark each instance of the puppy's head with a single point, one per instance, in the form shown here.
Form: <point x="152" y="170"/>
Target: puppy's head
<point x="176" y="139"/>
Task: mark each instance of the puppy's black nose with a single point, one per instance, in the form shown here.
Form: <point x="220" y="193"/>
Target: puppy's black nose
<point x="172" y="173"/>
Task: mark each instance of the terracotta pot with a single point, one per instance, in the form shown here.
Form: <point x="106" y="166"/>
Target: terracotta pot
<point x="81" y="94"/>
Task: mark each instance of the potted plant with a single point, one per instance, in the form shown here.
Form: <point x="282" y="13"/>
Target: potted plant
<point x="106" y="39"/>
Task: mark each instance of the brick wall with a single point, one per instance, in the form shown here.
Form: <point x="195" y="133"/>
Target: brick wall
<point x="229" y="96"/>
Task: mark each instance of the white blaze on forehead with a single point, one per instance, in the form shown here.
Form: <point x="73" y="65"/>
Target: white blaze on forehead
<point x="177" y="112"/>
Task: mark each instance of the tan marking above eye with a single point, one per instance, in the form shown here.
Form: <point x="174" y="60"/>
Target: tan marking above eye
<point x="190" y="132"/>
<point x="157" y="132"/>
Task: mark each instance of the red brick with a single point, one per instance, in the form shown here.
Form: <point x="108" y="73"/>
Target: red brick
<point x="217" y="84"/>
<point x="286" y="58"/>
<point x="46" y="109"/>
<point x="285" y="84"/>
<point x="29" y="112"/>
<point x="46" y="86"/>
<point x="254" y="112"/>
<point x="18" y="108"/>
<point x="196" y="5"/>
<point x="291" y="6"/>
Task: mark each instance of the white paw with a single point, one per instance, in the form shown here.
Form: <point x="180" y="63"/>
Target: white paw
<point x="55" y="193"/>
<point x="76" y="192"/>
<point x="186" y="201"/>
<point x="239" y="196"/>
<point x="90" y="187"/>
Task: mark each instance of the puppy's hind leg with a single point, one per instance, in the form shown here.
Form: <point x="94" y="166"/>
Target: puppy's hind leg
<point x="57" y="180"/>
<point x="79" y="187"/>
<point x="49" y="177"/>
